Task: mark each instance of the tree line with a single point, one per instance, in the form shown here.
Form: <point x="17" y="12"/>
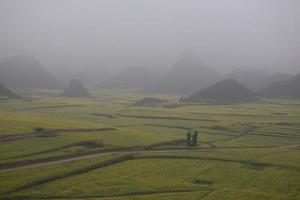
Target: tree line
<point x="191" y="138"/>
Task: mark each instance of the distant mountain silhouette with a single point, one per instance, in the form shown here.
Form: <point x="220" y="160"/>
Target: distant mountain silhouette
<point x="76" y="89"/>
<point x="228" y="90"/>
<point x="26" y="72"/>
<point x="186" y="76"/>
<point x="275" y="77"/>
<point x="148" y="101"/>
<point x="92" y="75"/>
<point x="287" y="88"/>
<point x="4" y="91"/>
<point x="253" y="78"/>
<point x="132" y="77"/>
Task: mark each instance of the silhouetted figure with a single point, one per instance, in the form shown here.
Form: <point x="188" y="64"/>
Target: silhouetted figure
<point x="191" y="139"/>
<point x="195" y="138"/>
<point x="188" y="138"/>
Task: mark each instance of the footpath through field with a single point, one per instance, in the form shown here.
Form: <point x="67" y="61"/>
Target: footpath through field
<point x="29" y="164"/>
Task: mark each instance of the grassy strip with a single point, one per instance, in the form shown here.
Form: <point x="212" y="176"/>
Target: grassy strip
<point x="139" y="157"/>
<point x="281" y="133"/>
<point x="74" y="130"/>
<point x="206" y="192"/>
<point x="242" y="115"/>
<point x="54" y="106"/>
<point x="172" y="142"/>
<point x="276" y="135"/>
<point x="78" y="154"/>
<point x="165" y="126"/>
<point x="90" y="144"/>
<point x="164" y="117"/>
<point x="82" y="143"/>
<point x="246" y="162"/>
<point x="141" y="193"/>
<point x="229" y="114"/>
<point x="65" y="157"/>
<point x="15" y="137"/>
<point x="245" y="132"/>
<point x="117" y="150"/>
<point x="109" y="116"/>
<point x="54" y="131"/>
<point x="72" y="173"/>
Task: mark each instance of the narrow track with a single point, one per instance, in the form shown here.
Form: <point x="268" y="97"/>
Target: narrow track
<point x="23" y="136"/>
<point x="29" y="164"/>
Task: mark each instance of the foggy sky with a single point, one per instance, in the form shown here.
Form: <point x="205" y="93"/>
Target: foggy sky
<point x="70" y="35"/>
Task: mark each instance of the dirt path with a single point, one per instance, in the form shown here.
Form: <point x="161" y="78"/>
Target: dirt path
<point x="132" y="151"/>
<point x="17" y="137"/>
<point x="23" y="136"/>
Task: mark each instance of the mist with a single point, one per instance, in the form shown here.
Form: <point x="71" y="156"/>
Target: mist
<point x="150" y="99"/>
<point x="69" y="36"/>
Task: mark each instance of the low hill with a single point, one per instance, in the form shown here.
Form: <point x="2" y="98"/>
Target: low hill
<point x="228" y="90"/>
<point x="253" y="78"/>
<point x="26" y="72"/>
<point x="287" y="88"/>
<point x="76" y="89"/>
<point x="148" y="102"/>
<point x="132" y="77"/>
<point x="275" y="77"/>
<point x="5" y="92"/>
<point x="186" y="76"/>
<point x="92" y="75"/>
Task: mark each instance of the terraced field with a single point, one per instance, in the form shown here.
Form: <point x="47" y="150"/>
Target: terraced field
<point x="104" y="148"/>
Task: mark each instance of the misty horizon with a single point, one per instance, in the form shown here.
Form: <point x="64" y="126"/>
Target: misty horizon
<point x="70" y="37"/>
<point x="150" y="99"/>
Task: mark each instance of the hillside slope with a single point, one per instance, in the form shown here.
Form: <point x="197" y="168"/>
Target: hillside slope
<point x="186" y="76"/>
<point x="26" y="72"/>
<point x="226" y="90"/>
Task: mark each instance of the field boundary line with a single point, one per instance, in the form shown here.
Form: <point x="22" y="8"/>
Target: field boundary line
<point x="21" y="136"/>
<point x="139" y="150"/>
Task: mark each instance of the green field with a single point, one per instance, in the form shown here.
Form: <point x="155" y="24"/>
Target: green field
<point x="104" y="148"/>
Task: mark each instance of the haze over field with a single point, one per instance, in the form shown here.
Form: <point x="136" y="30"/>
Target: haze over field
<point x="150" y="99"/>
<point x="79" y="39"/>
